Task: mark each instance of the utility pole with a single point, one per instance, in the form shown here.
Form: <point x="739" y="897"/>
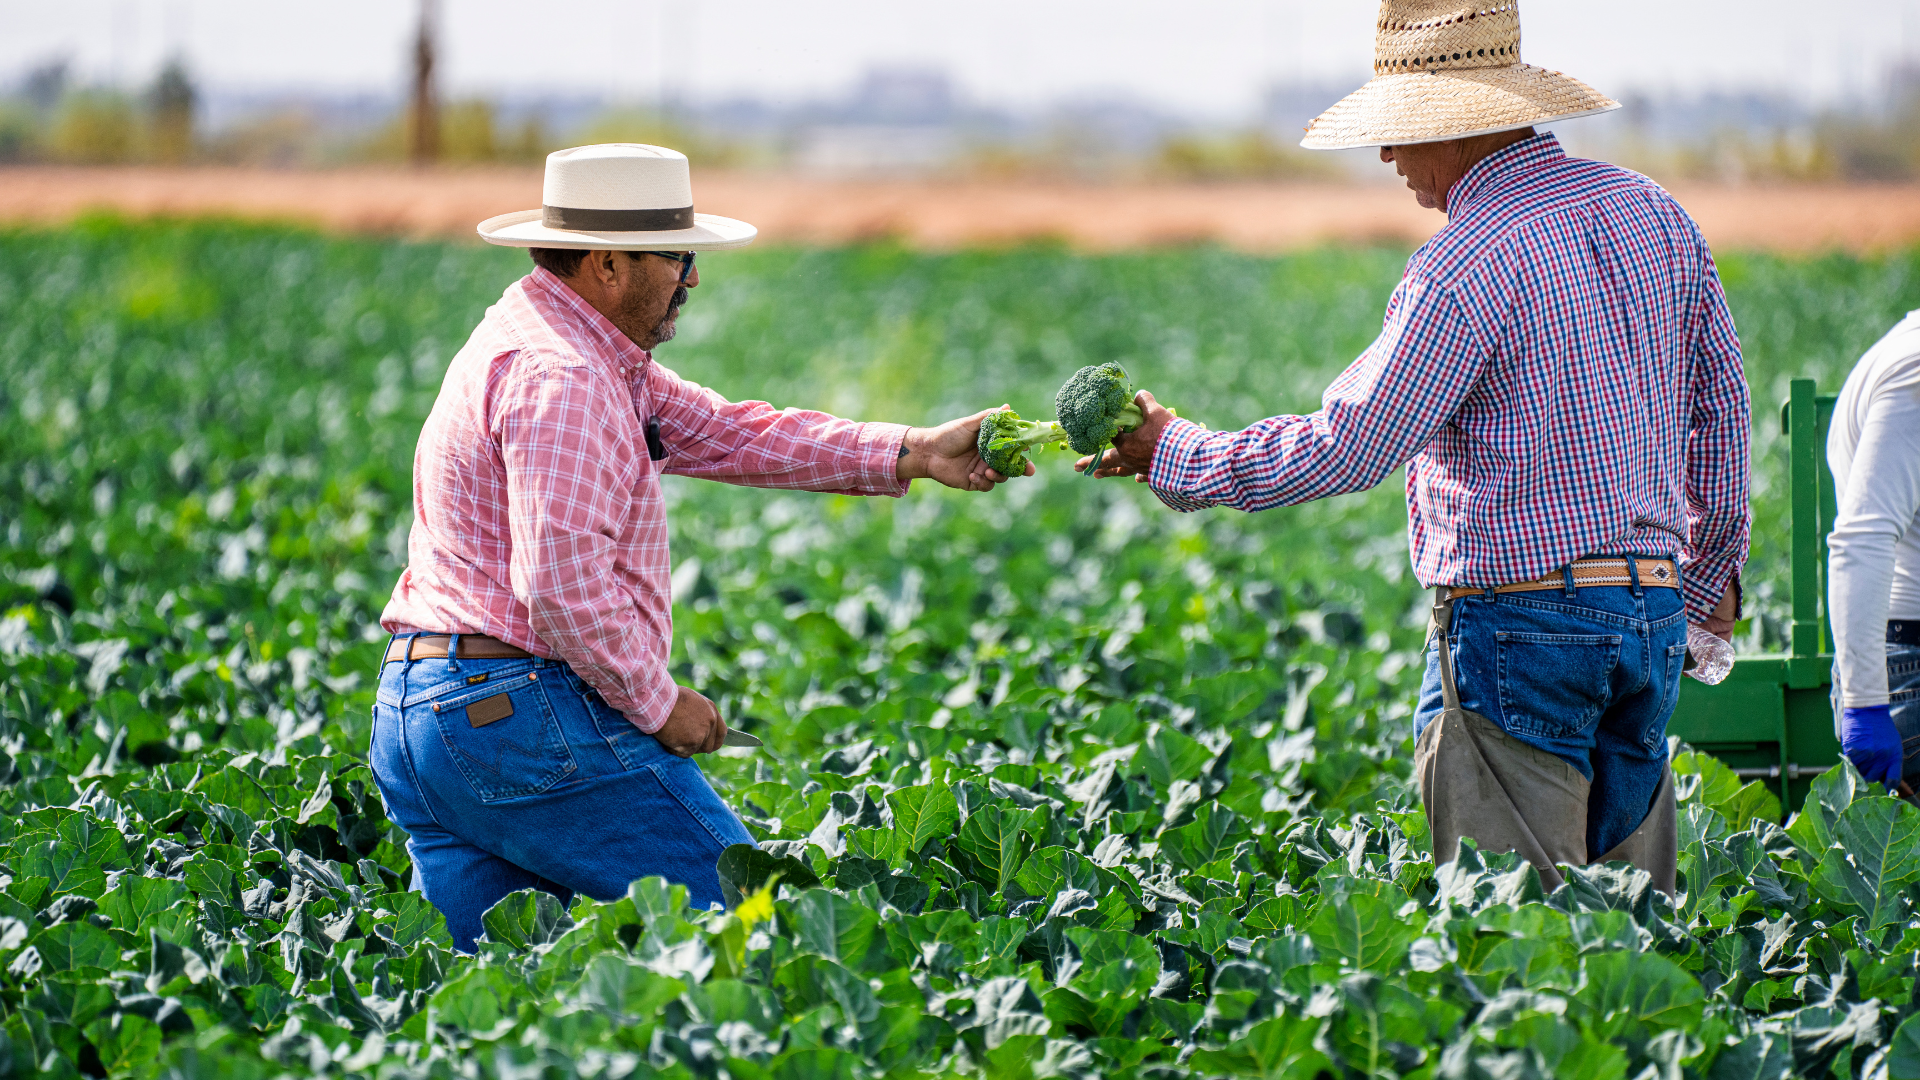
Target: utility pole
<point x="424" y="117"/>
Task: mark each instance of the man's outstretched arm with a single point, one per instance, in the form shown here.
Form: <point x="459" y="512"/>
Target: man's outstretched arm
<point x="756" y="445"/>
<point x="1380" y="412"/>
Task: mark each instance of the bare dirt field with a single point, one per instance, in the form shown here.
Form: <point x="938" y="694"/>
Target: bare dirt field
<point x="938" y="214"/>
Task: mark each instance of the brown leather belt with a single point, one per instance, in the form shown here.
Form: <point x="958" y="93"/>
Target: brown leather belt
<point x="1654" y="574"/>
<point x="434" y="647"/>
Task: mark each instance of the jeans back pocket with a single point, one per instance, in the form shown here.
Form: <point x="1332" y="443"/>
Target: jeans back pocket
<point x="503" y="736"/>
<point x="1672" y="672"/>
<point x="1553" y="686"/>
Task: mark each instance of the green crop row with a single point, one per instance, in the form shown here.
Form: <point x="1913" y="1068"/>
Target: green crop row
<point x="1057" y="783"/>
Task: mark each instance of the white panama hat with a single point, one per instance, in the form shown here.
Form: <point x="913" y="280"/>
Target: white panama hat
<point x="617" y="197"/>
<point x="1449" y="69"/>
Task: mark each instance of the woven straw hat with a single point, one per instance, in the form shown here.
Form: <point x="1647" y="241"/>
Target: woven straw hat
<point x="1447" y="70"/>
<point x="617" y="197"/>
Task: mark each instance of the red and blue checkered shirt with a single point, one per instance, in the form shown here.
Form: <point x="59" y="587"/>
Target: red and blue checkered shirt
<point x="1558" y="372"/>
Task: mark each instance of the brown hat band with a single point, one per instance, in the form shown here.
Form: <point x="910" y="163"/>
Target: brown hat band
<point x="585" y="220"/>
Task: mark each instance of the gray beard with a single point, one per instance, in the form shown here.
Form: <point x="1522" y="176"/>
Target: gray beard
<point x="664" y="332"/>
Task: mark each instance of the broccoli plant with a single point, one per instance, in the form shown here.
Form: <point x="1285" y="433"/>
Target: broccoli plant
<point x="1005" y="440"/>
<point x="1095" y="405"/>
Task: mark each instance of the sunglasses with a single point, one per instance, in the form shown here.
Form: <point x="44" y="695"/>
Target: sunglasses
<point x="684" y="258"/>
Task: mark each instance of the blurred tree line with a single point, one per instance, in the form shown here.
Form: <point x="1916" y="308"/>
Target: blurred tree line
<point x="1875" y="141"/>
<point x="49" y="118"/>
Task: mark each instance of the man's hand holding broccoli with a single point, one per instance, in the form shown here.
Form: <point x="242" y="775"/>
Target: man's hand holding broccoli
<point x="1132" y="451"/>
<point x="1098" y="408"/>
<point x="950" y="454"/>
<point x="1005" y="440"/>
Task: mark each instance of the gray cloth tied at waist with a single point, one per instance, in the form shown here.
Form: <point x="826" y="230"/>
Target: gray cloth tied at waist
<point x="1477" y="781"/>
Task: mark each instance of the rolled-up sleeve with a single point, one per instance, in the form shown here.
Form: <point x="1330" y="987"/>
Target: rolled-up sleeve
<point x="569" y="496"/>
<point x="753" y="444"/>
<point x="1719" y="429"/>
<point x="1379" y="413"/>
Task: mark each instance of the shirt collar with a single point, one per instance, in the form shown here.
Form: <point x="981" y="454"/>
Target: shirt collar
<point x="589" y="330"/>
<point x="1523" y="156"/>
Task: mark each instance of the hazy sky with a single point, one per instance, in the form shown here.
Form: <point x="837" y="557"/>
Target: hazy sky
<point x="1206" y="57"/>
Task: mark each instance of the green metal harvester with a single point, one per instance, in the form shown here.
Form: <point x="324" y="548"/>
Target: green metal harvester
<point x="1772" y="717"/>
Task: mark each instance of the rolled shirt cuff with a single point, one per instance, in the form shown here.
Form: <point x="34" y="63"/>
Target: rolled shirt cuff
<point x="1173" y="458"/>
<point x="1703" y="582"/>
<point x="878" y="450"/>
<point x="655" y="703"/>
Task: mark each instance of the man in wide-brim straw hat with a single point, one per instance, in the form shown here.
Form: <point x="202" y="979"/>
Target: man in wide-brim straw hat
<point x="527" y="731"/>
<point x="1560" y="376"/>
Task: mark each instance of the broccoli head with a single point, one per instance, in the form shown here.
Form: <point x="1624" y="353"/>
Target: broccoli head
<point x="1095" y="405"/>
<point x="1005" y="440"/>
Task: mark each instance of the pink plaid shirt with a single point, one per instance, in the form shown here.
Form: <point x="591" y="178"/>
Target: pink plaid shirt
<point x="538" y="517"/>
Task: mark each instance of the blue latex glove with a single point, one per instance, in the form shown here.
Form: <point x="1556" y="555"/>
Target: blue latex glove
<point x="1872" y="743"/>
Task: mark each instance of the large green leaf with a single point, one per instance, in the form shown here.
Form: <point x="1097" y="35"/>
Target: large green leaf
<point x="126" y="1042"/>
<point x="624" y="991"/>
<point x="75" y="857"/>
<point x="1005" y="1008"/>
<point x="72" y="945"/>
<point x="1167" y="756"/>
<point x="920" y="815"/>
<point x="134" y="899"/>
<point x="994" y="839"/>
<point x="410" y="918"/>
<point x="1116" y="971"/>
<point x="1635" y="995"/>
<point x="1212" y="832"/>
<point x="1365" y="931"/>
<point x="477" y="999"/>
<point x="1052" y="870"/>
<point x="817" y="980"/>
<point x="1705" y="780"/>
<point x="1282" y="1046"/>
<point x="526" y="919"/>
<point x="214" y="873"/>
<point x="745" y="869"/>
<point x="832" y="926"/>
<point x="1903" y="1057"/>
<point x="1767" y="1056"/>
<point x="1875" y="855"/>
<point x="1827" y="798"/>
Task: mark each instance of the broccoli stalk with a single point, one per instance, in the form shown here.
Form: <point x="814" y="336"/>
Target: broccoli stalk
<point x="1095" y="405"/>
<point x="1005" y="440"/>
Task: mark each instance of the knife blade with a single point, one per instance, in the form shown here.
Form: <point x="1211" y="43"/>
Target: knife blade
<point x="736" y="737"/>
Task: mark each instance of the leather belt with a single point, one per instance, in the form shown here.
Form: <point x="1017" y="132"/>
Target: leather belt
<point x="434" y="647"/>
<point x="1903" y="632"/>
<point x="1654" y="574"/>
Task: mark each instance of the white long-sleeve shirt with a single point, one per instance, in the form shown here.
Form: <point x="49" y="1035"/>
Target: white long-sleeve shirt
<point x="1873" y="555"/>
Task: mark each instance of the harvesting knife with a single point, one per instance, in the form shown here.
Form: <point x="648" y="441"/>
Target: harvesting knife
<point x="736" y="737"/>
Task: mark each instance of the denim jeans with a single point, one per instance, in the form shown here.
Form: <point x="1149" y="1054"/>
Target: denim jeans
<point x="1590" y="677"/>
<point x="1903" y="684"/>
<point x="509" y="774"/>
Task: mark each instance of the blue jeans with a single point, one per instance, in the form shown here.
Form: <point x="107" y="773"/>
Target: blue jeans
<point x="509" y="774"/>
<point x="1903" y="684"/>
<point x="1590" y="677"/>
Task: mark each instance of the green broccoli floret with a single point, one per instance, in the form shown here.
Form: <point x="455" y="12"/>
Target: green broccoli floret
<point x="1095" y="405"/>
<point x="1005" y="440"/>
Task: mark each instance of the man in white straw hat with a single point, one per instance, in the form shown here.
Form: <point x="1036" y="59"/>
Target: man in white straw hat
<point x="1561" y="378"/>
<point x="527" y="731"/>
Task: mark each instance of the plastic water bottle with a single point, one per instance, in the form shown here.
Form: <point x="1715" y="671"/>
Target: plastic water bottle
<point x="1712" y="657"/>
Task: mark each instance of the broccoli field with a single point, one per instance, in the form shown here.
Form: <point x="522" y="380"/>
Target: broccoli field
<point x="1056" y="783"/>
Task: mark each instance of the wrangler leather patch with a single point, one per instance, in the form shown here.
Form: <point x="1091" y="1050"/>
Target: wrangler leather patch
<point x="487" y="710"/>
